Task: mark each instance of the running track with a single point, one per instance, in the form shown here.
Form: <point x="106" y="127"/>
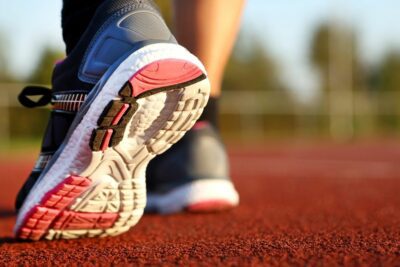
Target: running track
<point x="300" y="205"/>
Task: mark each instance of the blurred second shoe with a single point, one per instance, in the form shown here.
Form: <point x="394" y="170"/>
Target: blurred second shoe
<point x="192" y="176"/>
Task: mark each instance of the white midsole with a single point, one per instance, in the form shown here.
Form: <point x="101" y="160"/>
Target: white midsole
<point x="192" y="193"/>
<point x="77" y="155"/>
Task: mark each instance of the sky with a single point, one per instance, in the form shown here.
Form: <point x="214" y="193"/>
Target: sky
<point x="285" y="28"/>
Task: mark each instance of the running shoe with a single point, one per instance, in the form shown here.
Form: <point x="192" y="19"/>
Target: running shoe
<point x="125" y="94"/>
<point x="192" y="176"/>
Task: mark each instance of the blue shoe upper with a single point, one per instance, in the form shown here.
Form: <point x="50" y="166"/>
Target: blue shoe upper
<point x="118" y="27"/>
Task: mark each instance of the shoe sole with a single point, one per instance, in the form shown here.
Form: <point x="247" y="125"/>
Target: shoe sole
<point x="95" y="184"/>
<point x="206" y="195"/>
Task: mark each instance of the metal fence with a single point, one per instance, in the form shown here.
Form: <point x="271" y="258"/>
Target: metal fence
<point x="340" y="115"/>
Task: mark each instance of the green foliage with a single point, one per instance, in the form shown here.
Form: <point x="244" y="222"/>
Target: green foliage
<point x="319" y="50"/>
<point x="44" y="69"/>
<point x="384" y="85"/>
<point x="5" y="74"/>
<point x="331" y="46"/>
<point x="388" y="76"/>
<point x="250" y="68"/>
<point x="28" y="123"/>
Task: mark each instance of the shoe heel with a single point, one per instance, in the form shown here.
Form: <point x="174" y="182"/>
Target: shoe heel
<point x="156" y="77"/>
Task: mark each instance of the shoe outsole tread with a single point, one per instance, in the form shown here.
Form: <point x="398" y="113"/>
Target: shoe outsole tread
<point x="132" y="129"/>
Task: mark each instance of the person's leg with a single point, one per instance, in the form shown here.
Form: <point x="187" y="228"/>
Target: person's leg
<point x="194" y="174"/>
<point x="75" y="18"/>
<point x="208" y="28"/>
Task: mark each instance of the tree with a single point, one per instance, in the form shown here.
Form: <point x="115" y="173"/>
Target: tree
<point x="388" y="73"/>
<point x="44" y="69"/>
<point x="5" y="75"/>
<point x="265" y="106"/>
<point x="250" y="68"/>
<point x="384" y="82"/>
<point x="335" y="46"/>
<point x="334" y="53"/>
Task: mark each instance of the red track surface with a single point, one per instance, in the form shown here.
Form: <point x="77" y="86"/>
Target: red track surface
<point x="318" y="205"/>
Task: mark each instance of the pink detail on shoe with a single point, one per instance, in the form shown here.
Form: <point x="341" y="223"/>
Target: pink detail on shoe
<point x="71" y="220"/>
<point x="200" y="125"/>
<point x="41" y="216"/>
<point x="106" y="139"/>
<point x="209" y="206"/>
<point x="119" y="115"/>
<point x="163" y="73"/>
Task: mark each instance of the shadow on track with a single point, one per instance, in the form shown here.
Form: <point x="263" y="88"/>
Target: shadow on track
<point x="8" y="240"/>
<point x="6" y="213"/>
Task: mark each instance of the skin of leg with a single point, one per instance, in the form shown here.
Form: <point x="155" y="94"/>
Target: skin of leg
<point x="208" y="28"/>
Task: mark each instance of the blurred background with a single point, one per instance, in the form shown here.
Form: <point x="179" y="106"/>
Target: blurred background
<point x="310" y="112"/>
<point x="301" y="70"/>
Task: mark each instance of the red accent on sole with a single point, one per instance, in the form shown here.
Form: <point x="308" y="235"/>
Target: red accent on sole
<point x="41" y="216"/>
<point x="209" y="206"/>
<point x="106" y="139"/>
<point x="200" y="125"/>
<point x="163" y="73"/>
<point x="72" y="220"/>
<point x="119" y="115"/>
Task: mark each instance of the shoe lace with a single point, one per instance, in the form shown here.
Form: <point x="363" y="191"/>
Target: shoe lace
<point x="29" y="91"/>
